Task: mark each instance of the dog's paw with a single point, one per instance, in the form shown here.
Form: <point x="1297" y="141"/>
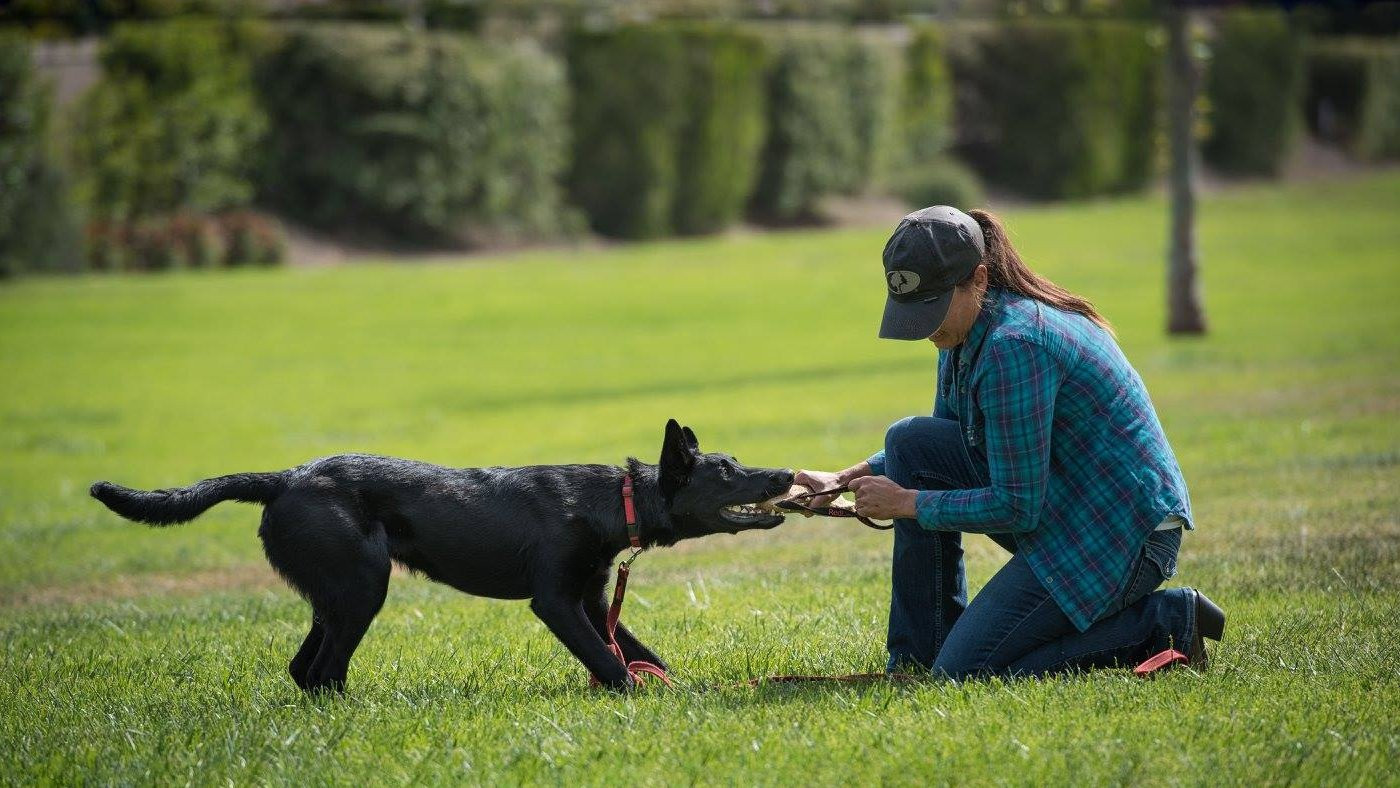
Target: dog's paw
<point x="621" y="686"/>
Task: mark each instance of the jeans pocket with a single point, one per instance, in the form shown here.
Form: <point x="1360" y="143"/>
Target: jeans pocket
<point x="1161" y="549"/>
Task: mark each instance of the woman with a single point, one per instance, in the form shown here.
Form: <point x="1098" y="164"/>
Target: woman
<point x="1042" y="437"/>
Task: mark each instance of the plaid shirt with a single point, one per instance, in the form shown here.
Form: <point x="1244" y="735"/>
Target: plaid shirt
<point x="1059" y="421"/>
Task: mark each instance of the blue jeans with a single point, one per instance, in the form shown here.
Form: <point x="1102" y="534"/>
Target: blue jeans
<point x="1013" y="627"/>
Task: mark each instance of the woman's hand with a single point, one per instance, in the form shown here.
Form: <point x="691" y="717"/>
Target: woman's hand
<point x="817" y="481"/>
<point x="881" y="499"/>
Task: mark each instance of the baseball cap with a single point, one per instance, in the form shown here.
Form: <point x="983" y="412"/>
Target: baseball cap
<point x="930" y="251"/>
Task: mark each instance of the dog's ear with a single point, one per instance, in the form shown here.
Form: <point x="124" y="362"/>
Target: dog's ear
<point x="690" y="440"/>
<point x="677" y="459"/>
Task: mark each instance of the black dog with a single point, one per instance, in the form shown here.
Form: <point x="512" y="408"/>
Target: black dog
<point x="548" y="533"/>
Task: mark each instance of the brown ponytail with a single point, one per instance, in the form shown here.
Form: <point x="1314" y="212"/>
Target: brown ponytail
<point x="1005" y="269"/>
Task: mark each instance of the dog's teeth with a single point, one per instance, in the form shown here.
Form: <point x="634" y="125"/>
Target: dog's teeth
<point x="745" y="509"/>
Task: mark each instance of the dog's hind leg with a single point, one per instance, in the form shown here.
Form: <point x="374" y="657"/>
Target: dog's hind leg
<point x="595" y="605"/>
<point x="356" y="602"/>
<point x="300" y="667"/>
<point x="340" y="563"/>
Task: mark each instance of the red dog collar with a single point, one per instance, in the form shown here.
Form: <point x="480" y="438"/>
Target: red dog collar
<point x="629" y="509"/>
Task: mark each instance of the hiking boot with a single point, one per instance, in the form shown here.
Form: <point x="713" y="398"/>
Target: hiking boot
<point x="1210" y="623"/>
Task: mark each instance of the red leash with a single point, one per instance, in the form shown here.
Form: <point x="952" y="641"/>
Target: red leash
<point x="638" y="669"/>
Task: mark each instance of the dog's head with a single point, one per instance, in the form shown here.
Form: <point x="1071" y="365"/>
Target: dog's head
<point x="714" y="493"/>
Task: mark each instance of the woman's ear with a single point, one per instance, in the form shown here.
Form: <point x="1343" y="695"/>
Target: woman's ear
<point x="979" y="275"/>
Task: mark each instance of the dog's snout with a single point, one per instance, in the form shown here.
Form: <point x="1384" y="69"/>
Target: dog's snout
<point x="781" y="482"/>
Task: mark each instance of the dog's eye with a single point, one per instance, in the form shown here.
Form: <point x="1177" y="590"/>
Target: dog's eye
<point x="725" y="469"/>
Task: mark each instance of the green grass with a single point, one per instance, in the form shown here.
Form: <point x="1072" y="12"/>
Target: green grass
<point x="132" y="655"/>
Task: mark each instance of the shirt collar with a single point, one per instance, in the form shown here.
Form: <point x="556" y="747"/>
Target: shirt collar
<point x="990" y="314"/>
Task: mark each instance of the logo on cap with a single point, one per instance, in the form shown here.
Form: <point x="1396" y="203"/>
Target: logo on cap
<point x="902" y="282"/>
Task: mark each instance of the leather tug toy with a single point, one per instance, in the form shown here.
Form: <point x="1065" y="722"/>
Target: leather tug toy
<point x="793" y="503"/>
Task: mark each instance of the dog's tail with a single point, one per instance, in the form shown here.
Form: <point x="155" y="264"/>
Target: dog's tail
<point x="168" y="507"/>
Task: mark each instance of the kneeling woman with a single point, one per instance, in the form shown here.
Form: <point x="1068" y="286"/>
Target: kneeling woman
<point x="1042" y="437"/>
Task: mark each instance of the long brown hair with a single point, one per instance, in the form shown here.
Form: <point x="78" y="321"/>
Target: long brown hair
<point x="1005" y="269"/>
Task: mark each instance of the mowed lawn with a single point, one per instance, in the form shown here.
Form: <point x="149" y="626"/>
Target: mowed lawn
<point x="136" y="655"/>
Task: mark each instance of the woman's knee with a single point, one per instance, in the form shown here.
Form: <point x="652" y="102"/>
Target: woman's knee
<point x="901" y="434"/>
<point x="960" y="660"/>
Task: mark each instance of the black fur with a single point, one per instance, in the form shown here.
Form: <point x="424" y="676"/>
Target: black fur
<point x="548" y="533"/>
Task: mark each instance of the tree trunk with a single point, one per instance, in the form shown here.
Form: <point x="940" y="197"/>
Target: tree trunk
<point x="1184" y="312"/>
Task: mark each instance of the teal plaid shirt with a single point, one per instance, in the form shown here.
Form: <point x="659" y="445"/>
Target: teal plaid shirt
<point x="1060" y="423"/>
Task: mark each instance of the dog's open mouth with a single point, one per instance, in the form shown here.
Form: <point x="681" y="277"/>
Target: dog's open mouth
<point x="750" y="514"/>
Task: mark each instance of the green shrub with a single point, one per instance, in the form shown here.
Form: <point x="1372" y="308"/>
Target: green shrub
<point x="872" y="82"/>
<point x="667" y="123"/>
<point x="722" y="130"/>
<point x="1253" y="86"/>
<point x="926" y="104"/>
<point x="1058" y="109"/>
<point x="426" y="137"/>
<point x="1353" y="95"/>
<point x="172" y="124"/>
<point x="938" y="181"/>
<point x="37" y="227"/>
<point x="831" y="100"/>
<point x="627" y="113"/>
<point x="1139" y="91"/>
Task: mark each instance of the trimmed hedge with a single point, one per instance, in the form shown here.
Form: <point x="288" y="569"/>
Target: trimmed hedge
<point x="831" y="110"/>
<point x="667" y="125"/>
<point x="723" y="130"/>
<point x="1353" y="95"/>
<point x="873" y="71"/>
<point x="627" y="113"/>
<point x="925" y="174"/>
<point x="424" y="137"/>
<point x="36" y="225"/>
<point x="926" y="103"/>
<point x="1057" y="109"/>
<point x="938" y="181"/>
<point x="173" y="123"/>
<point x="1254" y="86"/>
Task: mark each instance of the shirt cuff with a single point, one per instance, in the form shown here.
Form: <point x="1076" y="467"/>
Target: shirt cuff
<point x="927" y="504"/>
<point x="877" y="463"/>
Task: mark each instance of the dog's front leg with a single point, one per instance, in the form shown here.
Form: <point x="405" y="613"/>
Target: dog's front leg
<point x="566" y="619"/>
<point x="596" y="606"/>
<point x="634" y="649"/>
